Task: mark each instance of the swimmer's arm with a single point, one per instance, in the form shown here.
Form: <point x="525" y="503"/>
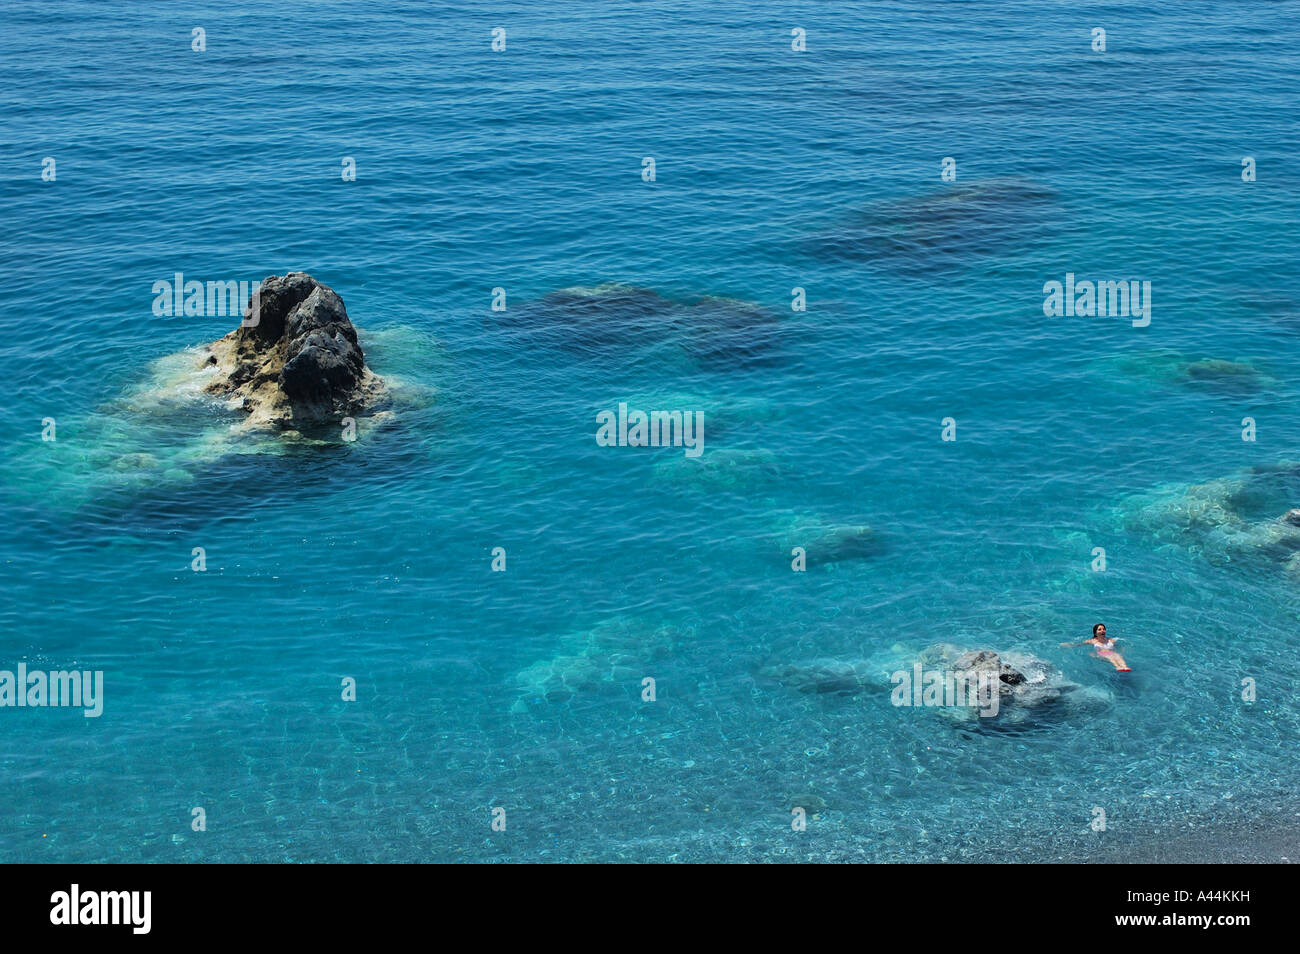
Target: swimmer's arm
<point x="1075" y="645"/>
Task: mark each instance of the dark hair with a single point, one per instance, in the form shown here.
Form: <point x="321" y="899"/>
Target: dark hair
<point x="1097" y="626"/>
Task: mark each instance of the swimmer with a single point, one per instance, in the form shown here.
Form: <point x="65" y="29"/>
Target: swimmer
<point x="1105" y="648"/>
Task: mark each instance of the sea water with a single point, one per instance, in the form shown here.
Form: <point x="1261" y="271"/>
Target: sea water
<point x="521" y="696"/>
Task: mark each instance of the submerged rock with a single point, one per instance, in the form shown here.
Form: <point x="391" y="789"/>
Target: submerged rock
<point x="594" y="320"/>
<point x="295" y="359"/>
<point x="975" y="218"/>
<point x="726" y="415"/>
<point x="1029" y="689"/>
<point x="811" y="803"/>
<point x="827" y="676"/>
<point x="724" y="469"/>
<point x="1241" y="519"/>
<point x="1228" y="377"/>
<point x="827" y="544"/>
<point x="1220" y="369"/>
<point x="597" y="317"/>
<point x="726" y="332"/>
<point x="612" y="656"/>
<point x="839" y="544"/>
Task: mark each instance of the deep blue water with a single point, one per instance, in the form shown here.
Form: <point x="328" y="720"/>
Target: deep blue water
<point x="522" y="170"/>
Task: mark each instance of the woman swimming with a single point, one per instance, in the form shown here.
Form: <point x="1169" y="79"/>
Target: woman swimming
<point x="1105" y="648"/>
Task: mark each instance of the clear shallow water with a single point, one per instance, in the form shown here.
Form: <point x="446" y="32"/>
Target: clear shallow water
<point x="522" y="170"/>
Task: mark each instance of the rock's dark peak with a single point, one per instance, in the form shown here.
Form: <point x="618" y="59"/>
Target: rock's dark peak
<point x="272" y="303"/>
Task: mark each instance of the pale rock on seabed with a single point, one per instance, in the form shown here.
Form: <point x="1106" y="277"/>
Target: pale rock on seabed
<point x="1228" y="378"/>
<point x="607" y="657"/>
<point x="1248" y="519"/>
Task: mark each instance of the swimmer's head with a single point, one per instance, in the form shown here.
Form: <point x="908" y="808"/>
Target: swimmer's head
<point x="1098" y="629"/>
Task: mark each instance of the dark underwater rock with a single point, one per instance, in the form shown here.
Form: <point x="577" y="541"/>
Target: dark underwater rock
<point x="839" y="544"/>
<point x="603" y="316"/>
<point x="728" y="332"/>
<point x="612" y="317"/>
<point x="825" y="542"/>
<point x="1233" y="378"/>
<point x="917" y="232"/>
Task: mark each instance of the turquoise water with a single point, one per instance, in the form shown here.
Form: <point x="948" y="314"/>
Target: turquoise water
<point x="774" y="169"/>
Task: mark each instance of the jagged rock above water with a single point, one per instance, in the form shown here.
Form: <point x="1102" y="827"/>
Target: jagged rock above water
<point x="1023" y="680"/>
<point x="294" y="360"/>
<point x="1029" y="690"/>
